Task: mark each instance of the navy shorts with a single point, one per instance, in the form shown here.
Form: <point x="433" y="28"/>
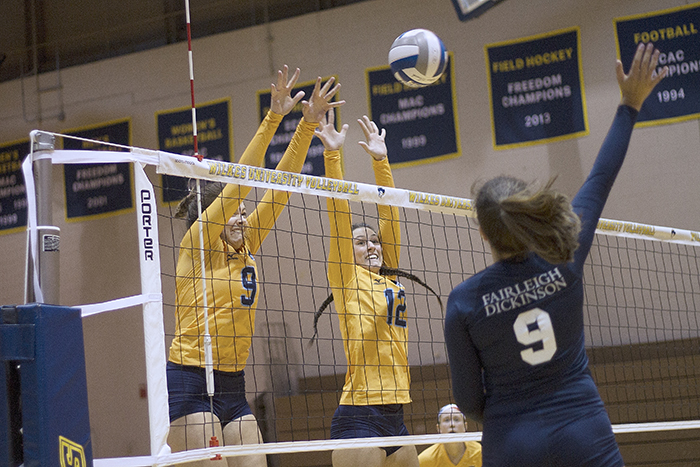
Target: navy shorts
<point x="187" y="393"/>
<point x="369" y="421"/>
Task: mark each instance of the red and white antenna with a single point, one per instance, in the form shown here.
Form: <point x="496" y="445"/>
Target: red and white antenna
<point x="208" y="358"/>
<point x="189" y="56"/>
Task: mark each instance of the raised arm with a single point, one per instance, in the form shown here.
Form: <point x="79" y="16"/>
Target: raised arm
<point x="220" y="211"/>
<point x="341" y="259"/>
<point x="273" y="202"/>
<point x="389" y="226"/>
<point x="281" y="103"/>
<point x="635" y="87"/>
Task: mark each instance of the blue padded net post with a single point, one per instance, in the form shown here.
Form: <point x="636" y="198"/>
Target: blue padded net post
<point x="46" y="342"/>
<point x="16" y="345"/>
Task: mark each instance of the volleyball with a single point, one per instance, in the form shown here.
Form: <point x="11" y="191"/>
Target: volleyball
<point x="418" y="58"/>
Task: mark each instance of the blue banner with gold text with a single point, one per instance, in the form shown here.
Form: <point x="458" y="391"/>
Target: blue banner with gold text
<point x="96" y="190"/>
<point x="421" y="123"/>
<point x="675" y="33"/>
<point x="174" y="128"/>
<point x="536" y="89"/>
<point x="13" y="192"/>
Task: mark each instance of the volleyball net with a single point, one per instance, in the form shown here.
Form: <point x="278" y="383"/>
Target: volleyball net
<point x="642" y="298"/>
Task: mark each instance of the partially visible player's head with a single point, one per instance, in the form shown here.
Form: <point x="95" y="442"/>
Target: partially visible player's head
<point x="451" y="420"/>
<point x="367" y="247"/>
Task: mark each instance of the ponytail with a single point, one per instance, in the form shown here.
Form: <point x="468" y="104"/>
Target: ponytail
<point x="518" y="218"/>
<point x="187" y="208"/>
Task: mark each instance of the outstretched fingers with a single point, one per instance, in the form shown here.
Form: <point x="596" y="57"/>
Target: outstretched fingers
<point x="652" y="68"/>
<point x="327" y="93"/>
<point x="642" y="77"/>
<point x="648" y="64"/>
<point x="332" y="140"/>
<point x="375" y="144"/>
<point x="282" y="77"/>
<point x="320" y="102"/>
<point x="365" y="125"/>
<point x="323" y="91"/>
<point x="281" y="101"/>
<point x="330" y="117"/>
<point x="369" y="127"/>
<point x="639" y="55"/>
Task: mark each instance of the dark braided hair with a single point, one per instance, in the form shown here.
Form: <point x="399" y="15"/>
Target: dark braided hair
<point x="383" y="271"/>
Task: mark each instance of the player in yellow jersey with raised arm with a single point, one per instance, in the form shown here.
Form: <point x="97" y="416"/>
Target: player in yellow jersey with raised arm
<point x="231" y="238"/>
<point x="371" y="306"/>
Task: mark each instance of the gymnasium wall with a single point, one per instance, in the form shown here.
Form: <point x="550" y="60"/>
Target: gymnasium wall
<point x="658" y="184"/>
<point x="631" y="389"/>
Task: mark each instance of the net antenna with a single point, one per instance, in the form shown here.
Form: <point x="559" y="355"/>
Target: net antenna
<point x="470" y="9"/>
<point x="208" y="357"/>
<point x="191" y="65"/>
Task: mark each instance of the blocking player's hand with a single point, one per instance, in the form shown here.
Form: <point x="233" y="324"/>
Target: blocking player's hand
<point x="320" y="101"/>
<point x="638" y="84"/>
<point x="375" y="145"/>
<point x="281" y="100"/>
<point x="326" y="132"/>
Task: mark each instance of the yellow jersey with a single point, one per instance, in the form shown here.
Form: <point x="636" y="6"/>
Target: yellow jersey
<point x="436" y="456"/>
<point x="371" y="308"/>
<point x="231" y="276"/>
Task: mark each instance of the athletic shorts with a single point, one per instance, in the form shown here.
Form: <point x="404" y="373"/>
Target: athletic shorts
<point x="369" y="421"/>
<point x="187" y="393"/>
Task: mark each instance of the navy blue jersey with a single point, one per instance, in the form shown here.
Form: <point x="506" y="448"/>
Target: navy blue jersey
<point x="514" y="331"/>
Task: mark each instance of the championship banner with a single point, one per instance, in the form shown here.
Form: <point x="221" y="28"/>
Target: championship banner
<point x="536" y="89"/>
<point x="421" y="123"/>
<point x="96" y="190"/>
<point x="675" y="33"/>
<point x="314" y="158"/>
<point x="214" y="141"/>
<point x="13" y="192"/>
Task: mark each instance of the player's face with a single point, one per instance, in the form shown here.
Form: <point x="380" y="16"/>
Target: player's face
<point x="452" y="422"/>
<point x="234" y="230"/>
<point x="368" y="249"/>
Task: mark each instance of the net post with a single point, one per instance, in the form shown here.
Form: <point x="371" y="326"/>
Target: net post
<point x="48" y="235"/>
<point x="153" y="328"/>
<point x="55" y="424"/>
<point x="16" y="344"/>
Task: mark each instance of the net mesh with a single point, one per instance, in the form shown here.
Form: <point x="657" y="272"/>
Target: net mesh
<point x="641" y="290"/>
<point x="641" y="320"/>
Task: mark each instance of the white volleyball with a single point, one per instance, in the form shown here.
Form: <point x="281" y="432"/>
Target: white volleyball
<point x="418" y="58"/>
